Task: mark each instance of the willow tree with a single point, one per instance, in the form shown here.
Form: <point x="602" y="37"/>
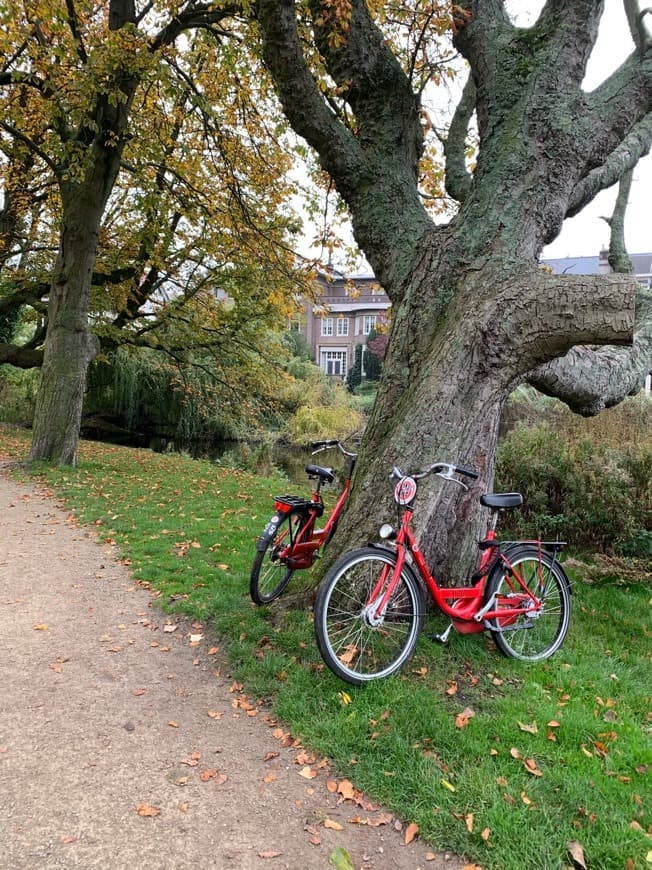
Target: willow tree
<point x="473" y="315"/>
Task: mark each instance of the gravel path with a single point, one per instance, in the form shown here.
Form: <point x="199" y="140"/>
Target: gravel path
<point x="125" y="744"/>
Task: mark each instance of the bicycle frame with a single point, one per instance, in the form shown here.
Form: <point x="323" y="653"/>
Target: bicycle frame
<point x="471" y="615"/>
<point x="301" y="550"/>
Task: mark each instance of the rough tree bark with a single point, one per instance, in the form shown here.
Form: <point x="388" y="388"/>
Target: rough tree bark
<point x="472" y="314"/>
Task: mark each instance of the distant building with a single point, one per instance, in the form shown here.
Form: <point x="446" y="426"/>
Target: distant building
<point x="641" y="266"/>
<point x="346" y="309"/>
<point x="341" y="317"/>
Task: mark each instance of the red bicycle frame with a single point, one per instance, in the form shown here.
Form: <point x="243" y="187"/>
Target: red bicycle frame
<point x="469" y="617"/>
<point x="300" y="552"/>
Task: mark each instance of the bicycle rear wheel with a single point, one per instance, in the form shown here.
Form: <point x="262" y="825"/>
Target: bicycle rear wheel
<point x="536" y="633"/>
<point x="269" y="573"/>
<point x="355" y="645"/>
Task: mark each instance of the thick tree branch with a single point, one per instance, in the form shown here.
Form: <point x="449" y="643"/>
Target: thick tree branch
<point x="618" y="107"/>
<point x="458" y="179"/>
<point x="589" y="379"/>
<point x="298" y="91"/>
<point x="74" y="29"/>
<point x="623" y="158"/>
<point x="542" y="316"/>
<point x="20" y="357"/>
<point x="375" y="86"/>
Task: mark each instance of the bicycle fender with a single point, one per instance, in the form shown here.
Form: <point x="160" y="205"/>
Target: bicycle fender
<point x="269" y="532"/>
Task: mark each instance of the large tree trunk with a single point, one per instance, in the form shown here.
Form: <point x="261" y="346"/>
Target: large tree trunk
<point x="69" y="345"/>
<point x="445" y="379"/>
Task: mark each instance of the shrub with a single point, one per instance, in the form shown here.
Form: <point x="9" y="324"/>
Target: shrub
<point x="18" y="389"/>
<point x="586" y="481"/>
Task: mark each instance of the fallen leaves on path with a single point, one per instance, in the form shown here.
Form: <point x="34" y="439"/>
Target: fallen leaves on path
<point x="410" y="833"/>
<point x="148" y="811"/>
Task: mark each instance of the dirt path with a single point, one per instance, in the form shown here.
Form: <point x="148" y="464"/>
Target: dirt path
<point x="120" y="747"/>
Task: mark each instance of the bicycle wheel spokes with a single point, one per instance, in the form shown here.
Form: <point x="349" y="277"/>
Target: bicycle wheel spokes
<point x="355" y="642"/>
<point x="539" y="629"/>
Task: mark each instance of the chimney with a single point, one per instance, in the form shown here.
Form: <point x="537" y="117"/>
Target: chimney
<point x="603" y="261"/>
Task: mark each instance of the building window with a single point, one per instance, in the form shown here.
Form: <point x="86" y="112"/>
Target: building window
<point x="327" y="326"/>
<point x="368" y="323"/>
<point x="342" y="326"/>
<point x="333" y="362"/>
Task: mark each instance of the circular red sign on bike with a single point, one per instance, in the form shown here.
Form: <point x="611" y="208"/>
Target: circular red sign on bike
<point x="405" y="490"/>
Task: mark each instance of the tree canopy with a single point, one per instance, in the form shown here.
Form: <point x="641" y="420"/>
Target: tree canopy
<point x="143" y="130"/>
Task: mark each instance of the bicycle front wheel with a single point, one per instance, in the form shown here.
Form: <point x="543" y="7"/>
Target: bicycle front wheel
<point x="536" y="633"/>
<point x="357" y="644"/>
<point x="270" y="573"/>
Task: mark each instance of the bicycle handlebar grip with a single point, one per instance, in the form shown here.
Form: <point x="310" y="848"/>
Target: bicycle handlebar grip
<point x="467" y="472"/>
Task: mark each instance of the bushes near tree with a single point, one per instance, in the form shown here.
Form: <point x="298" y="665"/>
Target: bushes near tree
<point x="588" y="481"/>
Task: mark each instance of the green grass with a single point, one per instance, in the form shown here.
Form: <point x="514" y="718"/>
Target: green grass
<point x="188" y="529"/>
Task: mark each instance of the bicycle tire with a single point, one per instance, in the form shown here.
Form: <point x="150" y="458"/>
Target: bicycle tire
<point x="532" y="636"/>
<point x="355" y="650"/>
<point x="270" y="576"/>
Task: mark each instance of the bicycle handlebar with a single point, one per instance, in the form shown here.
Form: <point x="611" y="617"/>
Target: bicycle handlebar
<point x="443" y="469"/>
<point x="318" y="446"/>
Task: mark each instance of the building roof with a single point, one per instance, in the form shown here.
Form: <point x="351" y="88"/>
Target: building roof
<point x="595" y="265"/>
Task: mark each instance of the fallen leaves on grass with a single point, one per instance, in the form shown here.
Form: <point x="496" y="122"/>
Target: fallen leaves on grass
<point x="576" y="851"/>
<point x="462" y="719"/>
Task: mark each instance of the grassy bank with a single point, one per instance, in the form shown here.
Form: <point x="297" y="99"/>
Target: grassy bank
<point x="544" y="756"/>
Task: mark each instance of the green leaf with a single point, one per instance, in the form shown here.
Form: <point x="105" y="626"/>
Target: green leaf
<point x="341" y="859"/>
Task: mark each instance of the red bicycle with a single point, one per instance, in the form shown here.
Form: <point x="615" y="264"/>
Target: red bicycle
<point x="290" y="541"/>
<point x="369" y="607"/>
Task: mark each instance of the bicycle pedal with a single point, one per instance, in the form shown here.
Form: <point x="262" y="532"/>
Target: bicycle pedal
<point x="443" y="637"/>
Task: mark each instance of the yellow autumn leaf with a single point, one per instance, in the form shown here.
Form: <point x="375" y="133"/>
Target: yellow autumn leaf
<point x="448" y="785"/>
<point x="334" y="826"/>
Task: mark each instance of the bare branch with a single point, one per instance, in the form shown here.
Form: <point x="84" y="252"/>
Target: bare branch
<point x="301" y="98"/>
<point x="458" y="179"/>
<point x="195" y="15"/>
<point x="618" y="257"/>
<point x="641" y="34"/>
<point x="623" y="158"/>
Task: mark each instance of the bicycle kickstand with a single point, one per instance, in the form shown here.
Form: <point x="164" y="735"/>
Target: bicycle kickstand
<point x="443" y="637"/>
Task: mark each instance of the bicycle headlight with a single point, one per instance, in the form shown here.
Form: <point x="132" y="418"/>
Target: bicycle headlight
<point x="387" y="532"/>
